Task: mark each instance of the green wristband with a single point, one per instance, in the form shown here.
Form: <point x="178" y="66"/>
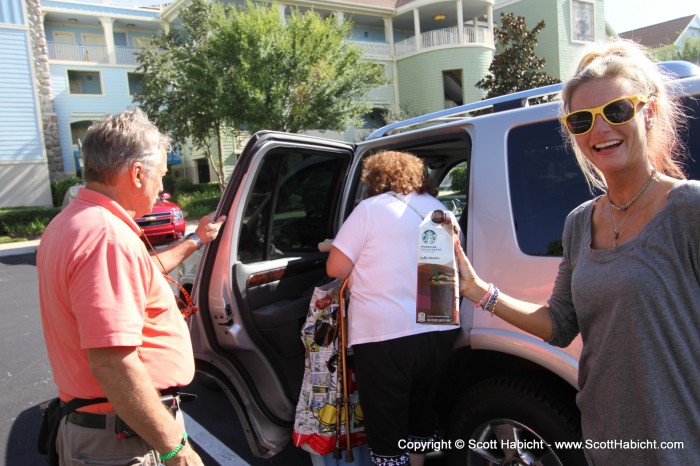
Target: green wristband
<point x="176" y="450"/>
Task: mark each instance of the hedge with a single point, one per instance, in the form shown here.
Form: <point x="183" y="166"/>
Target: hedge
<point x="21" y="221"/>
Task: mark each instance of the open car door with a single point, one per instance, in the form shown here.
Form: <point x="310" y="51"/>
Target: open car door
<point x="255" y="281"/>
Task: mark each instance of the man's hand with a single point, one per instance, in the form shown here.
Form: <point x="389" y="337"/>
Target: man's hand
<point x="208" y="229"/>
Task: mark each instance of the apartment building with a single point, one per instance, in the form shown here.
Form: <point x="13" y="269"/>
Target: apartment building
<point x="70" y="62"/>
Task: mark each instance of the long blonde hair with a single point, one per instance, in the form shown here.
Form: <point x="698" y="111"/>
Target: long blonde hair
<point x="628" y="60"/>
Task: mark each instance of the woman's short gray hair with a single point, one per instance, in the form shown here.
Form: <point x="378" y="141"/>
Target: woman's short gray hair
<point x="113" y="144"/>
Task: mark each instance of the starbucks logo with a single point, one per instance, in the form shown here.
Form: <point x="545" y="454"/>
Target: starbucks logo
<point x="429" y="237"/>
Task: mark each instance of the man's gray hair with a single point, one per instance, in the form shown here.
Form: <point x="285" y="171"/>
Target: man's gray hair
<point x="112" y="145"/>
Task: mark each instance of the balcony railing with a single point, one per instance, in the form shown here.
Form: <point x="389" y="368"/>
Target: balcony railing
<point x="376" y="50"/>
<point x="92" y="53"/>
<point x="445" y="37"/>
<point x="372" y="50"/>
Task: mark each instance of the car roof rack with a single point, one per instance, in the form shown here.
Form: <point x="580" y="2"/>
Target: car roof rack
<point x="676" y="69"/>
<point x="495" y="104"/>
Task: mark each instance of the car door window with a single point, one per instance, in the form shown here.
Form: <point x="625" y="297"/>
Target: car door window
<point x="289" y="210"/>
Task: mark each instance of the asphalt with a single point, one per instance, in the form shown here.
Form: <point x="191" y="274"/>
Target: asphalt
<point x="30" y="247"/>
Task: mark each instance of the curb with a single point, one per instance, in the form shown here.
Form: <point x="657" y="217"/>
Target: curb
<point x="17" y="249"/>
<point x="30" y="247"/>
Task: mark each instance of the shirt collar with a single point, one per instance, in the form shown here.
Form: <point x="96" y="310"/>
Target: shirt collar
<point x="93" y="197"/>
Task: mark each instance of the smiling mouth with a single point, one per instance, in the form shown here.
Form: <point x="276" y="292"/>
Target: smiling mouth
<point x="607" y="145"/>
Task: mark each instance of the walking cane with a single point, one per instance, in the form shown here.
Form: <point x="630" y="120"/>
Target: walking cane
<point x="349" y="458"/>
<point x="338" y="406"/>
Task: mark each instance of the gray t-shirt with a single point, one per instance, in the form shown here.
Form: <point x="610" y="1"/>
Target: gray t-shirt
<point x="637" y="307"/>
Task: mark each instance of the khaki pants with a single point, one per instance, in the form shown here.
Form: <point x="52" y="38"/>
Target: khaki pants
<point x="80" y="446"/>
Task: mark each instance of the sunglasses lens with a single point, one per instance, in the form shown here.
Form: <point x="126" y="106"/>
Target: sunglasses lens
<point x="579" y="122"/>
<point x="619" y="112"/>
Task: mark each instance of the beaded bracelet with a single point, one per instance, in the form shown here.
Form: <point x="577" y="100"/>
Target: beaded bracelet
<point x="488" y="302"/>
<point x="175" y="450"/>
<point x="486" y="297"/>
<point x="491" y="305"/>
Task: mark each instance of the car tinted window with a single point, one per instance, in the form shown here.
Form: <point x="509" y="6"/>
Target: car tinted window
<point x="289" y="208"/>
<point x="545" y="185"/>
<point x="546" y="182"/>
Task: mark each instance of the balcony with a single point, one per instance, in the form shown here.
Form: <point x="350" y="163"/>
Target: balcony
<point x="373" y="50"/>
<point x="92" y="53"/>
<point x="438" y="38"/>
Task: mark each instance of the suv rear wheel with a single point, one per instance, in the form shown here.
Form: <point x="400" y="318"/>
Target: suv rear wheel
<point x="513" y="421"/>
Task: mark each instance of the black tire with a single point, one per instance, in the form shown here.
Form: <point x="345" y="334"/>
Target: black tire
<point x="514" y="409"/>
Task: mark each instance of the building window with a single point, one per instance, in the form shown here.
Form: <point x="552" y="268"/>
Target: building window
<point x="135" y="83"/>
<point x="452" y="86"/>
<point x="582" y="20"/>
<point x="84" y="82"/>
<point x="374" y="119"/>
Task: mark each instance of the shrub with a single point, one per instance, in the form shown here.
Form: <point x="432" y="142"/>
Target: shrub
<point x="198" y="204"/>
<point x="20" y="221"/>
<point x="59" y="188"/>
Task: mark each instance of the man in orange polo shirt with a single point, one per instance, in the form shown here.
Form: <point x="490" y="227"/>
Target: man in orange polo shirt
<point x="111" y="324"/>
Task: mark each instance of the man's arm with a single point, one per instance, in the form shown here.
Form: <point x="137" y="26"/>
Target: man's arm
<point x="129" y="388"/>
<point x="173" y="255"/>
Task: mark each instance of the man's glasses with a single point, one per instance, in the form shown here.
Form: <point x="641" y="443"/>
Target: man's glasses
<point x="616" y="112"/>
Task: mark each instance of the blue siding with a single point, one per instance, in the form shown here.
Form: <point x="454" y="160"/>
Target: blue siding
<point x="20" y="138"/>
<point x="11" y="12"/>
<point x="71" y="108"/>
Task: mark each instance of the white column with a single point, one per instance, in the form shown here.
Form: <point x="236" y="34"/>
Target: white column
<point x="165" y="26"/>
<point x="460" y="22"/>
<point x="340" y="17"/>
<point x="489" y="21"/>
<point x="281" y="8"/>
<point x="416" y="28"/>
<point x="108" y="31"/>
<point x="389" y="36"/>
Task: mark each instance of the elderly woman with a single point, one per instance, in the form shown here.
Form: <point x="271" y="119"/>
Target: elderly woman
<point x="396" y="360"/>
<point x="629" y="280"/>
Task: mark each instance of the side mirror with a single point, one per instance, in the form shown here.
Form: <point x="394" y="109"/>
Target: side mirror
<point x="164" y="196"/>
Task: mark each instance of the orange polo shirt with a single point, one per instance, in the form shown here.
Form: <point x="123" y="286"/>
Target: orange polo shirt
<point x="99" y="288"/>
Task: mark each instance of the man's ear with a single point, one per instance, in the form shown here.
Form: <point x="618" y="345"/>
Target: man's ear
<point x="136" y="174"/>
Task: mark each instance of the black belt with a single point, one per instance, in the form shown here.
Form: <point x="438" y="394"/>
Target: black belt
<point x="89" y="420"/>
<point x="99" y="420"/>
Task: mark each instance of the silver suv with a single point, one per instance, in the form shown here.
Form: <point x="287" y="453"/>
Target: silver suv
<point x="289" y="192"/>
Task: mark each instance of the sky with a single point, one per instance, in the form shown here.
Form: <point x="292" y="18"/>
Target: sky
<point x="625" y="15"/>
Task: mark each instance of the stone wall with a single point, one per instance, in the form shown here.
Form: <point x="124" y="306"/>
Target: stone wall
<point x="42" y="72"/>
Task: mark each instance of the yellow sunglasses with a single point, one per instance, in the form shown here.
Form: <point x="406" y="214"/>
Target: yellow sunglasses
<point x="615" y="112"/>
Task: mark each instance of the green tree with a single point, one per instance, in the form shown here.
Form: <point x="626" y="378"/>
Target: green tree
<point x="182" y="90"/>
<point x="515" y="67"/>
<point x="229" y="68"/>
<point x="295" y="74"/>
<point x="690" y="51"/>
<point x="458" y="181"/>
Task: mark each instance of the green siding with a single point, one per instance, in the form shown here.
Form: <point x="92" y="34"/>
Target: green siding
<point x="554" y="41"/>
<point x="420" y="76"/>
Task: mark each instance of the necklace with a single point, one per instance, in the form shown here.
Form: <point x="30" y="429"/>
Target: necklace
<point x="624" y="207"/>
<point x="617" y="233"/>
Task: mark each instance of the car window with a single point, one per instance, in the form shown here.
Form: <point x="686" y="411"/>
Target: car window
<point x="289" y="209"/>
<point x="546" y="182"/>
<point x="545" y="185"/>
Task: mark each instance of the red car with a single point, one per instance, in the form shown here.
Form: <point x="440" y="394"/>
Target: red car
<point x="165" y="223"/>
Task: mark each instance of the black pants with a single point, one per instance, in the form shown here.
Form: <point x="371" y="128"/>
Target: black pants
<point x="398" y="382"/>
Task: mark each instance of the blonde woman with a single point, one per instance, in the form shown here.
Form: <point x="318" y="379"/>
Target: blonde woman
<point x="629" y="280"/>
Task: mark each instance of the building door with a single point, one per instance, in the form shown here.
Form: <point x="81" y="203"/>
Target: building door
<point x="203" y="171"/>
